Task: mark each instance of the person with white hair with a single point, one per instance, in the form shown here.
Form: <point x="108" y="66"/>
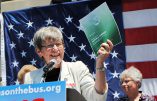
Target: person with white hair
<point x="49" y="45"/>
<point x="131" y="81"/>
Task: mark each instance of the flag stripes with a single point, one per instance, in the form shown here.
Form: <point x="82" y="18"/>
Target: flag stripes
<point x="140" y="18"/>
<point x="142" y="35"/>
<point x="140" y="23"/>
<point x="132" y="5"/>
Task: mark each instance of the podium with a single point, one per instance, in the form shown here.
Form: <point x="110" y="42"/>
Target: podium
<point x="74" y="95"/>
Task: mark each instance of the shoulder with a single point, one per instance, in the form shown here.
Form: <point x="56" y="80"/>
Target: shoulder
<point x="76" y="62"/>
<point x="146" y="97"/>
<point x="78" y="65"/>
<point x="78" y="68"/>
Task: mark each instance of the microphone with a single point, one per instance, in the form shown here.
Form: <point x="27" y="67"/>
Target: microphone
<point x="48" y="68"/>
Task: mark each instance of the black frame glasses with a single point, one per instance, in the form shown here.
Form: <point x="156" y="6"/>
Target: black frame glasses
<point x="52" y="45"/>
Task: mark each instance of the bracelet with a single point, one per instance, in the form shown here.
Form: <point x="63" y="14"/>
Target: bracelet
<point x="101" y="69"/>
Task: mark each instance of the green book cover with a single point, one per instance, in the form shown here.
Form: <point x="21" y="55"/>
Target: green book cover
<point x="100" y="25"/>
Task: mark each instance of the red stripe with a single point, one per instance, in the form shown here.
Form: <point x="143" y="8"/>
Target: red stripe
<point x="138" y="36"/>
<point x="131" y="5"/>
<point x="155" y="97"/>
<point x="148" y="69"/>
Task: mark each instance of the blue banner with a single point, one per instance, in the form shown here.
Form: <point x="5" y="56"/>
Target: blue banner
<point x="49" y="91"/>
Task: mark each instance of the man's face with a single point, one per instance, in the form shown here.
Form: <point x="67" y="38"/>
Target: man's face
<point x="52" y="49"/>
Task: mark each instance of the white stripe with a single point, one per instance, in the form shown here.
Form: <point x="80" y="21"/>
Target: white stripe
<point x="140" y="18"/>
<point x="141" y="53"/>
<point x="3" y="64"/>
<point x="149" y="86"/>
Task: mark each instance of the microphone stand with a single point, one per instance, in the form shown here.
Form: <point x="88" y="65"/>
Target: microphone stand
<point x="43" y="76"/>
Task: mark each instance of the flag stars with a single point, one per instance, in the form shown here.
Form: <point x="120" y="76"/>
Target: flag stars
<point x="71" y="38"/>
<point x="31" y="43"/>
<point x="23" y="53"/>
<point x="17" y="82"/>
<point x="49" y="21"/>
<point x="10" y="26"/>
<point x="20" y="35"/>
<point x="116" y="94"/>
<point x="29" y="24"/>
<point x="33" y="62"/>
<point x="12" y="45"/>
<point x="61" y="29"/>
<point x="115" y="74"/>
<point x="73" y="58"/>
<point x="79" y="28"/>
<point x="92" y="56"/>
<point x="15" y="63"/>
<point x="114" y="54"/>
<point x="82" y="47"/>
<point x="105" y="64"/>
<point x="69" y="19"/>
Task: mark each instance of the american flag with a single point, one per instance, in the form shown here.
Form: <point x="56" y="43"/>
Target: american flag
<point x="138" y="44"/>
<point x="140" y="24"/>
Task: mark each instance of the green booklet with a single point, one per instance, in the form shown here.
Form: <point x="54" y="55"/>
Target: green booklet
<point x="100" y="25"/>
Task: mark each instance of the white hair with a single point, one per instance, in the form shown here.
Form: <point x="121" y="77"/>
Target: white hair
<point x="46" y="32"/>
<point x="132" y="73"/>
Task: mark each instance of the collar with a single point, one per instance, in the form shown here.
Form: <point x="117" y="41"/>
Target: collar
<point x="64" y="71"/>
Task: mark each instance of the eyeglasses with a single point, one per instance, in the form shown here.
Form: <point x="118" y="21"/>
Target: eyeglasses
<point x="125" y="81"/>
<point x="52" y="45"/>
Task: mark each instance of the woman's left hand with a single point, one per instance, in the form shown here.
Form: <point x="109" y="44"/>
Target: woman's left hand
<point x="104" y="51"/>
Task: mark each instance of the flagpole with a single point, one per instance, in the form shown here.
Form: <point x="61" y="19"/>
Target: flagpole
<point x="3" y="62"/>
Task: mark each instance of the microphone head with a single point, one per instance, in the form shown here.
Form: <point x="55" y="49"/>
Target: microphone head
<point x="50" y="65"/>
<point x="53" y="61"/>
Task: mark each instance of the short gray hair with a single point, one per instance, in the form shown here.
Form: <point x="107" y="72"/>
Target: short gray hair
<point x="49" y="32"/>
<point x="132" y="72"/>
